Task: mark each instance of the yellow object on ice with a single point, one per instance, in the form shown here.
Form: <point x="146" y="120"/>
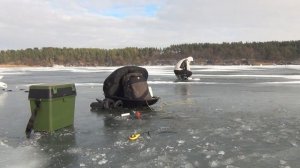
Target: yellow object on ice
<point x="134" y="136"/>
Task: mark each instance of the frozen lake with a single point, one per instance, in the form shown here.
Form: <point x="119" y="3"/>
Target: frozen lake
<point x="235" y="116"/>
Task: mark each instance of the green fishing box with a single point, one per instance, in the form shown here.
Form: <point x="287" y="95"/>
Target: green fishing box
<point x="53" y="106"/>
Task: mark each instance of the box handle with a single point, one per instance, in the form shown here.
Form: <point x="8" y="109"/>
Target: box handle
<point x="31" y="121"/>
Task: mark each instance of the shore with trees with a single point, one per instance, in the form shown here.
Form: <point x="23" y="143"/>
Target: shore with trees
<point x="236" y="53"/>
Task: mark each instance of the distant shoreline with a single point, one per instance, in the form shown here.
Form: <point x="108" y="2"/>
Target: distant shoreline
<point x="12" y="65"/>
<point x="20" y="66"/>
<point x="235" y="53"/>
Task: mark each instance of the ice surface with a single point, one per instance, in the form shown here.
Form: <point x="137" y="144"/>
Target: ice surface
<point x="234" y="117"/>
<point x="3" y="96"/>
<point x="20" y="157"/>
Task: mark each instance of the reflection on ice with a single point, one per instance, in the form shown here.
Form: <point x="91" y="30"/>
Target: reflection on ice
<point x="21" y="156"/>
<point x="3" y="96"/>
<point x="241" y="116"/>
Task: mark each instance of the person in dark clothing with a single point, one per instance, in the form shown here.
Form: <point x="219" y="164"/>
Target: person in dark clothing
<point x="182" y="68"/>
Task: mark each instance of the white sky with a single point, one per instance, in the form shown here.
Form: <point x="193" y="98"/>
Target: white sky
<point x="144" y="23"/>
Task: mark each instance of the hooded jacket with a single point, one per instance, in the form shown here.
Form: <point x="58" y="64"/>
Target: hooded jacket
<point x="186" y="61"/>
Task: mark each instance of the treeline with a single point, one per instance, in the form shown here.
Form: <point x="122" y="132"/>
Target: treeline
<point x="287" y="52"/>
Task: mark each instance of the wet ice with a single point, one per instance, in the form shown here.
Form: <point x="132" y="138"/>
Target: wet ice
<point x="241" y="116"/>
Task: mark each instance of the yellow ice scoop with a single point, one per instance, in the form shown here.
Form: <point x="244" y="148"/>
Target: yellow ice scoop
<point x="134" y="136"/>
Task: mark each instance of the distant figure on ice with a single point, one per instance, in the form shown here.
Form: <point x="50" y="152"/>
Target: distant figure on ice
<point x="182" y="68"/>
<point x="3" y="85"/>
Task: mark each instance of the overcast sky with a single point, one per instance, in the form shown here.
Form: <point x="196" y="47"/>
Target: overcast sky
<point x="144" y="23"/>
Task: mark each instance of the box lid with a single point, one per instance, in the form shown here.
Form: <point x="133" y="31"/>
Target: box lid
<point x="48" y="91"/>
